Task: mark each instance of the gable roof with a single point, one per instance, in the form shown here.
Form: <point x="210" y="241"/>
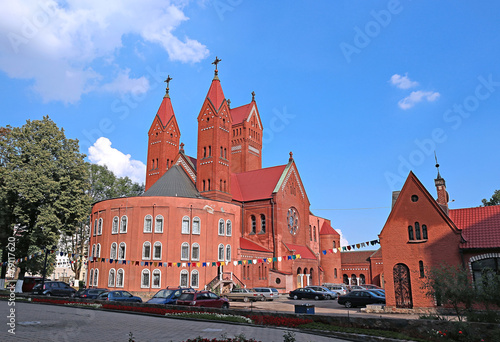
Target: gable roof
<point x="240" y="114"/>
<point x="215" y="94"/>
<point x="173" y="183"/>
<point x="326" y="229"/>
<point x="356" y="257"/>
<point x="166" y="111"/>
<point x="252" y="246"/>
<point x="256" y="184"/>
<point x="305" y="253"/>
<point x="480" y="226"/>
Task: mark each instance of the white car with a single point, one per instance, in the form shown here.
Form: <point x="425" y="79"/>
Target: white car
<point x="269" y="292"/>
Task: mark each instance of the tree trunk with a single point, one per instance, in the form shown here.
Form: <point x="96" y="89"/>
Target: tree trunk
<point x="20" y="280"/>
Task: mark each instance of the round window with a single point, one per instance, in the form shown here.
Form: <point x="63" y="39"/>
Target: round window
<point x="414" y="198"/>
<point x="278" y="281"/>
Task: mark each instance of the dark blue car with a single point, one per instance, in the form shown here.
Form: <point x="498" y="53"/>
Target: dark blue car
<point x="168" y="296"/>
<point x="119" y="296"/>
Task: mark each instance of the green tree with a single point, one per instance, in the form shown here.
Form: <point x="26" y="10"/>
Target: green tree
<point x="105" y="185"/>
<point x="43" y="183"/>
<point x="494" y="200"/>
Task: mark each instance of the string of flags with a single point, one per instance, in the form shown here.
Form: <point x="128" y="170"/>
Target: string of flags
<point x="198" y="264"/>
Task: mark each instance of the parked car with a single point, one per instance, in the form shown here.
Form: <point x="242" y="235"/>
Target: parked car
<point x="380" y="292"/>
<point x="205" y="299"/>
<point x="328" y="293"/>
<point x="119" y="296"/>
<point x="270" y="293"/>
<point x="169" y="295"/>
<point x="30" y="282"/>
<point x="307" y="293"/>
<point x="371" y="287"/>
<point x="90" y="293"/>
<point x="341" y="289"/>
<point x="54" y="288"/>
<point x="245" y="295"/>
<point x="360" y="298"/>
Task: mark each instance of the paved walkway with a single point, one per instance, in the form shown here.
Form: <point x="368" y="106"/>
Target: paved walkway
<point x="41" y="322"/>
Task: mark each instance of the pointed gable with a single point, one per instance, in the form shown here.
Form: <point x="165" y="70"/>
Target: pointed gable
<point x="188" y="164"/>
<point x="252" y="246"/>
<point x="256" y="184"/>
<point x="326" y="229"/>
<point x="244" y="113"/>
<point x="215" y="94"/>
<point x="480" y="226"/>
<point x="166" y="111"/>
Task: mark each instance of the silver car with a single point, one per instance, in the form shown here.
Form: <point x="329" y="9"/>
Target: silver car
<point x="329" y="294"/>
<point x="269" y="292"/>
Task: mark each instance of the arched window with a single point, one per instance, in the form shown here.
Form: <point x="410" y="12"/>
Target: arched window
<point x="195" y="279"/>
<point x="123" y="226"/>
<point x="204" y="152"/>
<point x="345" y="279"/>
<point x="417" y="231"/>
<point x="111" y="278"/>
<point x="112" y="255"/>
<point x="195" y="252"/>
<point x="196" y="226"/>
<point x="314" y="233"/>
<point x="209" y="151"/>
<point x="221" y="227"/>
<point x="96" y="277"/>
<point x="146" y="250"/>
<point x="145" y="278"/>
<point x="91" y="278"/>
<point x="311" y="280"/>
<point x="114" y="227"/>
<point x="208" y="185"/>
<point x="335" y="273"/>
<point x="93" y="251"/>
<point x="229" y="228"/>
<point x="221" y="152"/>
<point x="262" y="223"/>
<point x="98" y="250"/>
<point x="310" y="233"/>
<point x="184" y="278"/>
<point x="334" y="244"/>
<point x="119" y="277"/>
<point x="253" y="225"/>
<point x="410" y="233"/>
<point x="121" y="251"/>
<point x="228" y="253"/>
<point x="361" y="279"/>
<point x="99" y="228"/>
<point x="159" y="224"/>
<point x="421" y="269"/>
<point x="204" y="185"/>
<point x="185" y="225"/>
<point x="221" y="252"/>
<point x="156" y="279"/>
<point x="354" y="279"/>
<point x="424" y="232"/>
<point x="185" y="251"/>
<point x="157" y="251"/>
<point x="95" y="227"/>
<point x="148" y="224"/>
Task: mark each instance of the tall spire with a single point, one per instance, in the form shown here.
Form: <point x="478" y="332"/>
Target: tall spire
<point x="167" y="81"/>
<point x="437" y="166"/>
<point x="442" y="195"/>
<point x="217" y="61"/>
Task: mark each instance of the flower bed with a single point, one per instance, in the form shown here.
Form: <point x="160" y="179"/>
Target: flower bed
<point x="290" y="322"/>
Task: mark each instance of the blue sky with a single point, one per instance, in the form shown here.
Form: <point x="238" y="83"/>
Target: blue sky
<point x="360" y="91"/>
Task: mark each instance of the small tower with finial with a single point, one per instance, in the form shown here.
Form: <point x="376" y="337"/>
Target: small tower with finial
<point x="217" y="61"/>
<point x="442" y="194"/>
<point x="167" y="81"/>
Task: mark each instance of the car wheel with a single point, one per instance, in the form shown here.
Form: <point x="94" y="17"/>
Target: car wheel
<point x="225" y="306"/>
<point x="348" y="304"/>
<point x="328" y="297"/>
<point x="262" y="299"/>
<point x="48" y="294"/>
<point x="295" y="297"/>
<point x="245" y="299"/>
<point x="316" y="297"/>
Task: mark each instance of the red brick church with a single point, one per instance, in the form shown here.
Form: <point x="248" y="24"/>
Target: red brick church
<point x="213" y="220"/>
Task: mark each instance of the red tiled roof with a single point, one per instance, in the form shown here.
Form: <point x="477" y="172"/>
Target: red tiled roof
<point x="252" y="246"/>
<point x="240" y="114"/>
<point x="215" y="94"/>
<point x="305" y="253"/>
<point x="193" y="160"/>
<point x="326" y="229"/>
<point x="480" y="226"/>
<point x="357" y="257"/>
<point x="256" y="184"/>
<point x="377" y="254"/>
<point x="165" y="112"/>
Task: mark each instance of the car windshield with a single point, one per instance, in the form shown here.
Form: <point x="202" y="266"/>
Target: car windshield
<point x="163" y="294"/>
<point x="186" y="296"/>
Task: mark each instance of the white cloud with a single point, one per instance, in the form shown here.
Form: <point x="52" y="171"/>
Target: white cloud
<point x="124" y="84"/>
<point x="416" y="97"/>
<point x="121" y="164"/>
<point x="343" y="240"/>
<point x="403" y="82"/>
<point x="60" y="45"/>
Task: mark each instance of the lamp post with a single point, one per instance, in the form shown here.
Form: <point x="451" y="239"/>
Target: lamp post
<point x="45" y="266"/>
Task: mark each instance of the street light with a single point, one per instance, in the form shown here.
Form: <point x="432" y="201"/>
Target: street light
<point x="45" y="266"/>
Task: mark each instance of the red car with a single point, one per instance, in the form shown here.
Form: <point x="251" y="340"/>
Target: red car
<point x="205" y="299"/>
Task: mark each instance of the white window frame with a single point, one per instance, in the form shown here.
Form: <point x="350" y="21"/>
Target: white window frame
<point x="186" y="273"/>
<point x="122" y="226"/>
<point x="143" y="272"/>
<point x="112" y="282"/>
<point x="185" y="228"/>
<point x="220" y="256"/>
<point x="93" y="251"/>
<point x="99" y="227"/>
<point x="186" y="256"/>
<point x="95" y="227"/>
<point x="222" y="227"/>
<point x="115" y="225"/>
<point x="198" y="221"/>
<point x="96" y="277"/>
<point x="98" y="250"/>
<point x="160" y="228"/>
<point x="124" y="251"/>
<point x="115" y="256"/>
<point x="157" y="243"/>
<point x="195" y="245"/>
<point x="195" y="284"/>
<point x="156" y="271"/>
<point x="122" y="278"/>
<point x="229" y="228"/>
<point x="144" y="256"/>
<point x="91" y="278"/>
<point x="148" y="218"/>
<point x="228" y="253"/>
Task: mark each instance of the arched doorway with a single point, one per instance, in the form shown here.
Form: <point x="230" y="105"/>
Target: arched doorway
<point x="299" y="277"/>
<point x="402" y="286"/>
<point x="345" y="278"/>
<point x="354" y="280"/>
<point x="362" y="279"/>
<point x="311" y="273"/>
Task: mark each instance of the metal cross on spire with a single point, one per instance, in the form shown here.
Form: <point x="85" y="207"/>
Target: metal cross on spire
<point x="217" y="61"/>
<point x="167" y="81"/>
<point x="253" y="95"/>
